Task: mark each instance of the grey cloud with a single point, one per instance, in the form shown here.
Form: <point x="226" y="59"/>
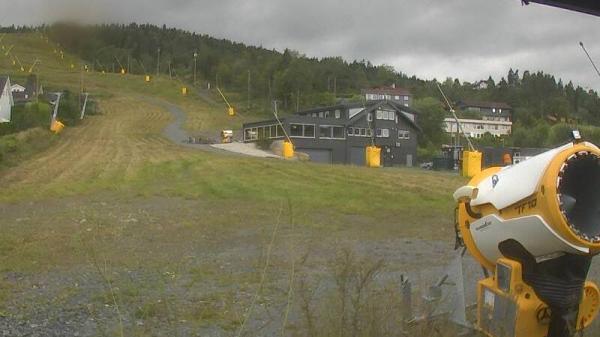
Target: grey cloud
<point x="469" y="39"/>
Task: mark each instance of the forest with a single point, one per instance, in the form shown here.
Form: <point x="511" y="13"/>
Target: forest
<point x="542" y="103"/>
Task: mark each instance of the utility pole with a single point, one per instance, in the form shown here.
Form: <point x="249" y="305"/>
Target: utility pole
<point x="128" y="65"/>
<point x="298" y="101"/>
<point x="195" y="61"/>
<point x="170" y="75"/>
<point x="158" y="63"/>
<point x="335" y="86"/>
<point x="248" y="89"/>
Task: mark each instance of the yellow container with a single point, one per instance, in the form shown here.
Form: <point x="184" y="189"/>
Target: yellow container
<point x="471" y="165"/>
<point x="147" y="78"/>
<point x="57" y="126"/>
<point x="231" y="112"/>
<point x="288" y="150"/>
<point x="184" y="91"/>
<point x="373" y="156"/>
<point x="122" y="71"/>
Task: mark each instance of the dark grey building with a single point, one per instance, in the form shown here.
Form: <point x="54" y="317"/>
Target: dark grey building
<point x="340" y="134"/>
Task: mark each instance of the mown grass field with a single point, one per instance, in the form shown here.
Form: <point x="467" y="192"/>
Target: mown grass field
<point x="120" y="232"/>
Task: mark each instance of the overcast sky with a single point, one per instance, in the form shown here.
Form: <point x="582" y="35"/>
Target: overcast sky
<point x="468" y="39"/>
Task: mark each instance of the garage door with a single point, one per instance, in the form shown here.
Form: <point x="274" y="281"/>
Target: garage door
<point x="357" y="156"/>
<point x="318" y="155"/>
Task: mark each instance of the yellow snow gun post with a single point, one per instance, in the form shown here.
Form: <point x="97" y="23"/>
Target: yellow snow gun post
<point x="230" y="109"/>
<point x="534" y="226"/>
<point x="57" y="127"/>
<point x="184" y="91"/>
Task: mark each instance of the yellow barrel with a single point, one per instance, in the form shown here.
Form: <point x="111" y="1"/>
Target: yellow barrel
<point x="184" y="91"/>
<point x="471" y="163"/>
<point x="288" y="150"/>
<point x="231" y="111"/>
<point x="147" y="79"/>
<point x="122" y="71"/>
<point x="373" y="156"/>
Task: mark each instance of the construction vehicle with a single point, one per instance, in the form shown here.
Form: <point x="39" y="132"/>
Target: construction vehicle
<point x="534" y="227"/>
<point x="226" y="136"/>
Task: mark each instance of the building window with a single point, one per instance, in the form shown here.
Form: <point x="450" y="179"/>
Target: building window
<point x="369" y="117"/>
<point x="321" y="114"/>
<point x="350" y="131"/>
<point x="406" y="98"/>
<point x="302" y="130"/>
<point x="403" y="134"/>
<point x="326" y="113"/>
<point x="493" y="109"/>
<point x="338" y="114"/>
<point x="250" y="134"/>
<point x="397" y="98"/>
<point x="382" y="133"/>
<point x="379" y="114"/>
<point x="406" y="104"/>
<point x="369" y="132"/>
<point x="338" y="132"/>
<point x="280" y="132"/>
<point x="314" y="114"/>
<point x="363" y="132"/>
<point x="331" y="132"/>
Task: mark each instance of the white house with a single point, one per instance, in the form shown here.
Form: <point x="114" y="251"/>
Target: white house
<point x="17" y="88"/>
<point x="6" y="99"/>
<point x="476" y="128"/>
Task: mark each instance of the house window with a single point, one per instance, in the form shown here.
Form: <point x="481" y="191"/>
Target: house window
<point x="499" y="111"/>
<point x="338" y="114"/>
<point x="302" y="130"/>
<point x="397" y="98"/>
<point x="309" y="131"/>
<point x="382" y="133"/>
<point x="331" y="132"/>
<point x="280" y="132"/>
<point x="369" y="132"/>
<point x="357" y="131"/>
<point x="338" y="132"/>
<point x="363" y="132"/>
<point x="350" y="131"/>
<point x="406" y="98"/>
<point x="493" y="109"/>
<point x="406" y="104"/>
<point x="321" y="114"/>
<point x="250" y="134"/>
<point x="370" y="117"/>
<point x="379" y="114"/>
<point x="314" y="114"/>
<point x="326" y="113"/>
<point x="403" y="134"/>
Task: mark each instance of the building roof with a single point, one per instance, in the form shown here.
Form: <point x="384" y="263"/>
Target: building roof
<point x="368" y="106"/>
<point x="483" y="104"/>
<point x="387" y="91"/>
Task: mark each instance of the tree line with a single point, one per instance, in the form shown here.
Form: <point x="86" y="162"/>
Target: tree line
<point x="297" y="81"/>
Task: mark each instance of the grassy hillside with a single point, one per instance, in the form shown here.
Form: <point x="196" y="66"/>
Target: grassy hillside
<point x="118" y="231"/>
